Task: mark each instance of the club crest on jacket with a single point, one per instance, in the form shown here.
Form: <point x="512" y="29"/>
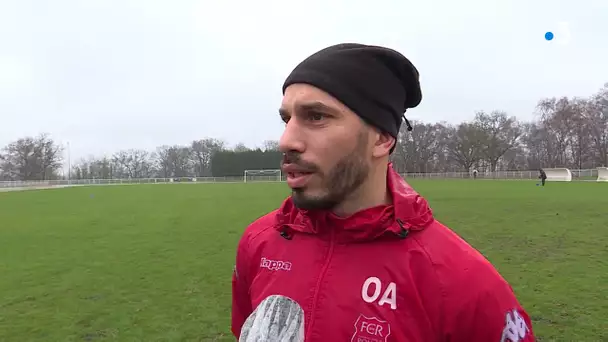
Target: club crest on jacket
<point x="371" y="330"/>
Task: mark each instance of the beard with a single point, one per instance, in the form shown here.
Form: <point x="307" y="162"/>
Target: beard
<point x="339" y="183"/>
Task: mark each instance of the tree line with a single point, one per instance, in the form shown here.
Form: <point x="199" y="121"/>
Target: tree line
<point x="566" y="132"/>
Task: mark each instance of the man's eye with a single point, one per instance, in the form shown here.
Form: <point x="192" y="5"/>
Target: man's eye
<point x="316" y="116"/>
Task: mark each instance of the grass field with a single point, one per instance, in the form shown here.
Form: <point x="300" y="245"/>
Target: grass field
<point x="153" y="262"/>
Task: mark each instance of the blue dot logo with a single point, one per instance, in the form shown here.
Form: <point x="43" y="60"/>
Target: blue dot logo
<point x="549" y="35"/>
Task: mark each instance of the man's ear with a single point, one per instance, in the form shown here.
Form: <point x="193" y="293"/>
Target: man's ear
<point x="383" y="144"/>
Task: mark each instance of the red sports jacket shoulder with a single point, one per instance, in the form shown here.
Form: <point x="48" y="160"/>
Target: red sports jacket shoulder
<point x="478" y="304"/>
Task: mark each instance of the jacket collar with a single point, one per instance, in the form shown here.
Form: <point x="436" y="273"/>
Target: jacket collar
<point x="408" y="212"/>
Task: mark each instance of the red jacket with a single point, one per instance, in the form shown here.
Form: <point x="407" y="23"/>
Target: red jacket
<point x="389" y="273"/>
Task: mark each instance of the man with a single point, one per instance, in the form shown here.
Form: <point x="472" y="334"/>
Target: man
<point x="354" y="254"/>
<point x="542" y="175"/>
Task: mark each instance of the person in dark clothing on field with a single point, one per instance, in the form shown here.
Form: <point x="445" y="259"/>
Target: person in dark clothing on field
<point x="542" y="176"/>
<point x="355" y="253"/>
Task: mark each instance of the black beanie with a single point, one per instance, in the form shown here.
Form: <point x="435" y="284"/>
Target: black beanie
<point x="377" y="83"/>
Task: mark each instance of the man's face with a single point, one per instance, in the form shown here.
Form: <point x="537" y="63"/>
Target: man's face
<point x="328" y="148"/>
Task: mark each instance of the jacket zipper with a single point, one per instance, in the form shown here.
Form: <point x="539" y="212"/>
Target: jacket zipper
<point x="318" y="285"/>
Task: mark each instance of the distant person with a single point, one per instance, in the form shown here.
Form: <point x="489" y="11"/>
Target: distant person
<point x="355" y="254"/>
<point x="542" y="175"/>
<point x="475" y="174"/>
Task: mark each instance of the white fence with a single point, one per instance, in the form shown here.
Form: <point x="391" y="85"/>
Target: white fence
<point x="77" y="182"/>
<point x="577" y="175"/>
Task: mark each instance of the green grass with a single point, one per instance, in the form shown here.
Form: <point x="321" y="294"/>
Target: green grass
<point x="153" y="262"/>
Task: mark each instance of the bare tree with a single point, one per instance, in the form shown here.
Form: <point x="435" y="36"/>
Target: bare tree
<point x="596" y="114"/>
<point x="499" y="133"/>
<point x="32" y="158"/>
<point x="240" y="147"/>
<point x="202" y="151"/>
<point x="181" y="164"/>
<point x="175" y="161"/>
<point x="442" y="161"/>
<point x="92" y="168"/>
<point x="416" y="149"/>
<point x="514" y="159"/>
<point x="163" y="161"/>
<point x="271" y="145"/>
<point x="133" y="163"/>
<point x="80" y="170"/>
<point x="534" y="145"/>
<point x="558" y="122"/>
<point x="464" y="144"/>
<point x="5" y="168"/>
<point x="48" y="157"/>
<point x="580" y="140"/>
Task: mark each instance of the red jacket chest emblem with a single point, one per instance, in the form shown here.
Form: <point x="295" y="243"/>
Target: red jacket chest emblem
<point x="371" y="329"/>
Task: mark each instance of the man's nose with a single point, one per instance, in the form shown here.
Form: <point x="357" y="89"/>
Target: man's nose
<point x="292" y="138"/>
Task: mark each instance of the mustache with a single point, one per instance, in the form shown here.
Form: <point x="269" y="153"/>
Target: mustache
<point x="295" y="158"/>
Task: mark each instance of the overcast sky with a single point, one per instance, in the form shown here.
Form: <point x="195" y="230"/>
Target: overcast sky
<point x="106" y="75"/>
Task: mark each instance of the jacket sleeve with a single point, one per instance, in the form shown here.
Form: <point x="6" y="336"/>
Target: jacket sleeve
<point x="490" y="312"/>
<point x="241" y="301"/>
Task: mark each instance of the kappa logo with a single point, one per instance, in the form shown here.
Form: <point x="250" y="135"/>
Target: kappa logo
<point x="515" y="329"/>
<point x="275" y="265"/>
<point x="371" y="330"/>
